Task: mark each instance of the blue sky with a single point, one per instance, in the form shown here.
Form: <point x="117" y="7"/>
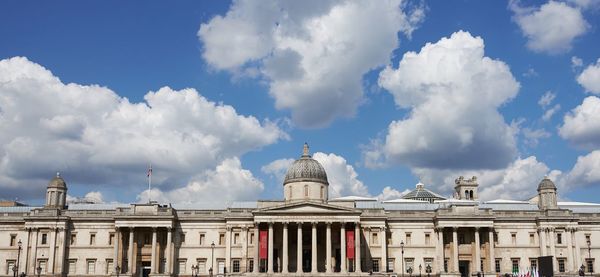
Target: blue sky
<point x="290" y="74"/>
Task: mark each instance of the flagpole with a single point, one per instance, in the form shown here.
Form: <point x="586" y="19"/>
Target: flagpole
<point x="149" y="183"/>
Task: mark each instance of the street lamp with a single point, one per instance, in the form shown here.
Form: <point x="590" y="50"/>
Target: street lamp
<point x="589" y="243"/>
<point x="212" y="259"/>
<point x="410" y="271"/>
<point x="428" y="270"/>
<point x="39" y="270"/>
<point x="16" y="267"/>
<point x="402" y="248"/>
<point x="195" y="270"/>
<point x="117" y="270"/>
<point x="420" y="268"/>
<point x="582" y="270"/>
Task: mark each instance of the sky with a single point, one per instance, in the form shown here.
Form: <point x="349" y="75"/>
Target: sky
<point x="219" y="97"/>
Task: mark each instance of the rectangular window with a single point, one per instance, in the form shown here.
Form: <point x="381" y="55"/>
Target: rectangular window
<point x="181" y="266"/>
<point x="72" y="267"/>
<point x="44" y="239"/>
<point x="427" y="239"/>
<point x="182" y="238"/>
<point x="559" y="239"/>
<point x="202" y="238"/>
<point x="515" y="265"/>
<point x="236" y="265"/>
<point x="91" y="267"/>
<point x="390" y="265"/>
<point x="428" y="265"/>
<point x="73" y="239"/>
<point x="533" y="264"/>
<point x="10" y="264"/>
<point x="221" y="239"/>
<point x="590" y="265"/>
<point x="250" y="265"/>
<point x="375" y="265"/>
<point x="252" y="239"/>
<point x="201" y="266"/>
<point x="111" y="238"/>
<point x="13" y="239"/>
<point x="497" y="265"/>
<point x="374" y="239"/>
<point x="561" y="265"/>
<point x="513" y="237"/>
<point x="109" y="266"/>
<point x="92" y="239"/>
<point x="236" y="238"/>
<point x="408" y="238"/>
<point x="43" y="265"/>
<point x="409" y="265"/>
<point x="221" y="266"/>
<point x="531" y="238"/>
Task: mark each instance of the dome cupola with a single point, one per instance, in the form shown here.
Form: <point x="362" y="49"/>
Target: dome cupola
<point x="306" y="179"/>
<point x="547" y="194"/>
<point x="56" y="193"/>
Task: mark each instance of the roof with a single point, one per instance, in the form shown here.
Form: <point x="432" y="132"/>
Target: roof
<point x="546" y="183"/>
<point x="306" y="169"/>
<point x="17" y="209"/>
<point x="421" y="193"/>
<point x="353" y="198"/>
<point x="96" y="206"/>
<point x="401" y="200"/>
<point x="57" y="182"/>
<point x="506" y="201"/>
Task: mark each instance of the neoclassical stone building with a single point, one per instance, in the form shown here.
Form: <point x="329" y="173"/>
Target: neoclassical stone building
<point x="305" y="234"/>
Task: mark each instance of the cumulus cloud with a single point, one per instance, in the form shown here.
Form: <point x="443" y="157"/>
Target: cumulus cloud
<point x="302" y="50"/>
<point x="546" y="99"/>
<point x="582" y="124"/>
<point x="585" y="172"/>
<point x="227" y="182"/>
<point x="389" y="193"/>
<point x="343" y="179"/>
<point x="93" y="135"/>
<point x="550" y="28"/>
<point x="533" y="136"/>
<point x="453" y="92"/>
<point x="519" y="180"/>
<point x="590" y="78"/>
<point x="576" y="62"/>
<point x="277" y="168"/>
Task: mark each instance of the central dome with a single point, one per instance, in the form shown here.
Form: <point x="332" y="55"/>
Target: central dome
<point x="306" y="169"/>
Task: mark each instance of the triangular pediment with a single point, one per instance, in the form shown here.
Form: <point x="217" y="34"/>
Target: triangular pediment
<point x="306" y="208"/>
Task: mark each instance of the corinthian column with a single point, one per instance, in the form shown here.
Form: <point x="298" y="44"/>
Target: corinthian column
<point x="299" y="249"/>
<point x="455" y="249"/>
<point x="313" y="267"/>
<point x="256" y="260"/>
<point x="491" y="255"/>
<point x="477" y="251"/>
<point x="440" y="252"/>
<point x="285" y="248"/>
<point x="343" y="268"/>
<point x="357" y="263"/>
<point x="553" y="249"/>
<point x="153" y="264"/>
<point x="328" y="248"/>
<point x="270" y="256"/>
<point x="130" y="263"/>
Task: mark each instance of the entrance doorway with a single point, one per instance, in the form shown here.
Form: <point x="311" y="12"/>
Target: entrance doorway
<point x="463" y="267"/>
<point x="306" y="258"/>
<point x="338" y="260"/>
<point x="145" y="269"/>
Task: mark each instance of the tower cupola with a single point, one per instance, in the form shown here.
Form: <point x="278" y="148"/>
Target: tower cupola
<point x="56" y="193"/>
<point x="547" y="194"/>
<point x="466" y="188"/>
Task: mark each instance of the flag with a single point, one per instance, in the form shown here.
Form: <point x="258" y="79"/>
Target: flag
<point x="350" y="244"/>
<point x="149" y="172"/>
<point x="263" y="243"/>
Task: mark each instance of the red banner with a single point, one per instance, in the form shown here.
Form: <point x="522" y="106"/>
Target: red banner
<point x="263" y="241"/>
<point x="350" y="244"/>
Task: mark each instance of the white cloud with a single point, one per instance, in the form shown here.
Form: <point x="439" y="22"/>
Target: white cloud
<point x="519" y="180"/>
<point x="546" y="99"/>
<point x="453" y="92"/>
<point x="533" y="136"/>
<point x="550" y="112"/>
<point x="389" y="193"/>
<point x="302" y="50"/>
<point x="552" y="27"/>
<point x="277" y="168"/>
<point x="576" y="62"/>
<point x="343" y="179"/>
<point x="93" y="135"/>
<point x="582" y="124"/>
<point x="585" y="172"/>
<point x="590" y="78"/>
<point x="227" y="182"/>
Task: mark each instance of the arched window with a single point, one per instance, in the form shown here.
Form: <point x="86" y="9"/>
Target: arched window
<point x="290" y="192"/>
<point x="466" y="194"/>
<point x="305" y="190"/>
<point x="322" y="192"/>
<point x="471" y="195"/>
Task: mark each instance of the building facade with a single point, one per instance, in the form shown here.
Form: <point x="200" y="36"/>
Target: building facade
<point x="305" y="234"/>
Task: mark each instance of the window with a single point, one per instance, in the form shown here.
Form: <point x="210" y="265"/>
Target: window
<point x="92" y="239"/>
<point x="290" y="192"/>
<point x="72" y="267"/>
<point x="44" y="239"/>
<point x="446" y="265"/>
<point x="428" y="262"/>
<point x="221" y="266"/>
<point x="43" y="265"/>
<point x="559" y="239"/>
<point x="236" y="265"/>
<point x="590" y="265"/>
<point x="374" y="239"/>
<point x="533" y="264"/>
<point x="409" y="265"/>
<point x="111" y="238"/>
<point x="513" y="237"/>
<point x="13" y="240"/>
<point x="408" y="238"/>
<point x="515" y="265"/>
<point x="181" y="266"/>
<point x="531" y="238"/>
<point x="109" y="266"/>
<point x="322" y="192"/>
<point x="305" y="190"/>
<point x="91" y="267"/>
<point x="221" y="239"/>
<point x="390" y="265"/>
<point x="73" y="239"/>
<point x="9" y="266"/>
<point x="236" y="238"/>
<point x="202" y="238"/>
<point x="561" y="265"/>
<point x="252" y="239"/>
<point x="427" y="239"/>
<point x="201" y="266"/>
<point x="375" y="265"/>
<point x="250" y="265"/>
<point x="497" y="265"/>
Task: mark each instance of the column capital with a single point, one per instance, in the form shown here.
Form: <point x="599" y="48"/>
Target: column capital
<point x="117" y="229"/>
<point x="551" y="229"/>
<point x="477" y="228"/>
<point x="439" y="229"/>
<point x="244" y="228"/>
<point x="328" y="223"/>
<point x="228" y="228"/>
<point x="285" y="223"/>
<point x="299" y="224"/>
<point x="454" y="229"/>
<point x="270" y="224"/>
<point x="131" y="229"/>
<point x="314" y="224"/>
<point x="154" y="229"/>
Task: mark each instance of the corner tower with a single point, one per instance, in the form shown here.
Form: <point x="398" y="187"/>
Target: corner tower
<point x="56" y="193"/>
<point x="466" y="188"/>
<point x="547" y="195"/>
<point x="306" y="179"/>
